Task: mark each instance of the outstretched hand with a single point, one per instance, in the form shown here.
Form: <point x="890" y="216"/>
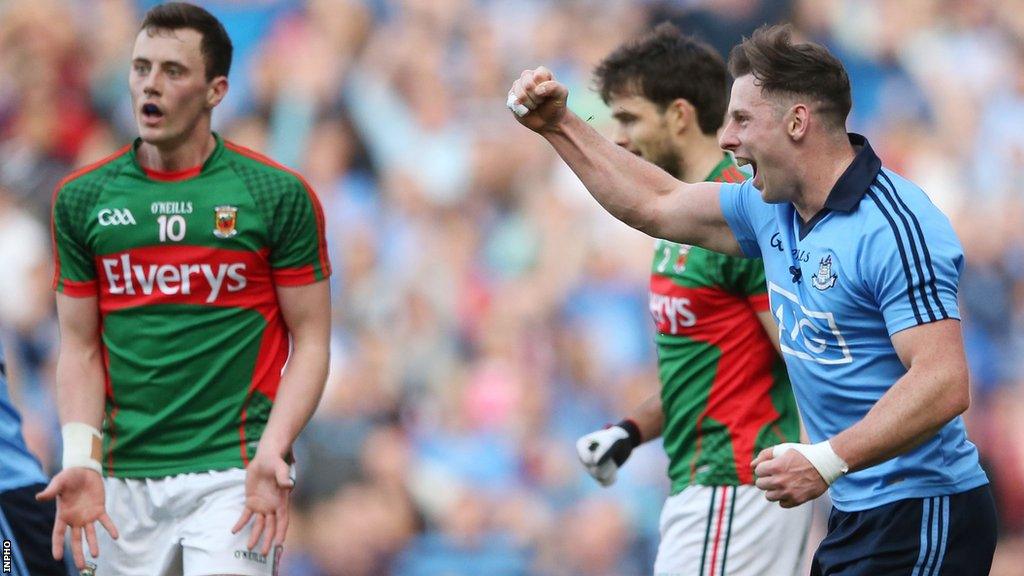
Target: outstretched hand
<point x="268" y="483"/>
<point x="81" y="501"/>
<point x="538" y="100"/>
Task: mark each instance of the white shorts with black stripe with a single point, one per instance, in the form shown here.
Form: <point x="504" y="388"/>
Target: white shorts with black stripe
<point x="731" y="531"/>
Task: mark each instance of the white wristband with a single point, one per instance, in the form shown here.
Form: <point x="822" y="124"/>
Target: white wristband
<point x="820" y="455"/>
<point x="83" y="446"/>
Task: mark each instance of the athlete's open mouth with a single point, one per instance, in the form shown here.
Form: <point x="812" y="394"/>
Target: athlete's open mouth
<point x="152" y="111"/>
<point x="745" y="162"/>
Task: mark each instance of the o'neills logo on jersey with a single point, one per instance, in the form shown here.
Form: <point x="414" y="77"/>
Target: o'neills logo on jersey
<point x="125" y="278"/>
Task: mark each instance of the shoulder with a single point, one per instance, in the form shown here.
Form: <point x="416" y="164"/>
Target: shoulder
<point x="896" y="206"/>
<point x="79" y="191"/>
<point x="94" y="175"/>
<point x="263" y="176"/>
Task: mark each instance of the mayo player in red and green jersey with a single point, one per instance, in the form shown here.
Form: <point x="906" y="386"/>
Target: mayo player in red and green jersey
<point x="188" y="271"/>
<point x="724" y="391"/>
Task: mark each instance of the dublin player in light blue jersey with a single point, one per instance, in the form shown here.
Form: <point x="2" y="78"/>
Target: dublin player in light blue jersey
<point x="862" y="273"/>
<point x="24" y="523"/>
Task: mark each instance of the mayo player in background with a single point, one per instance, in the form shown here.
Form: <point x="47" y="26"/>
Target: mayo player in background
<point x="862" y="274"/>
<point x="724" y="391"/>
<point x="186" y="268"/>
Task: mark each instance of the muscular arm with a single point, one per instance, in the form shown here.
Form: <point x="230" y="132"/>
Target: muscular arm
<point x="80" y="376"/>
<point x="306" y="311"/>
<point x="934" y="390"/>
<point x="631" y="189"/>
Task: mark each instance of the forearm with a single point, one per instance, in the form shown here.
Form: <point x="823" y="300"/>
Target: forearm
<point x="911" y="412"/>
<point x="649" y="417"/>
<point x="301" y="386"/>
<point x="80" y="386"/>
<point x="624" y="184"/>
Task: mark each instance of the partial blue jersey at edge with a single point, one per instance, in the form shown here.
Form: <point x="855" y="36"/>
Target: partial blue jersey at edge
<point x="18" y="468"/>
<point x="880" y="258"/>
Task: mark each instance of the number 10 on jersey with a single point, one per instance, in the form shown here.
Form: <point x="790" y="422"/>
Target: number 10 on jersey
<point x="171" y="227"/>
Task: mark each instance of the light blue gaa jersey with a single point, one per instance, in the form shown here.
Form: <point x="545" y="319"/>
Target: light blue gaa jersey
<point x="879" y="258"/>
<point x="18" y="467"/>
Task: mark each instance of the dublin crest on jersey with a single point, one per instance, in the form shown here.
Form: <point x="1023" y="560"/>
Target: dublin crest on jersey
<point x="225" y="218"/>
<point x="824" y="279"/>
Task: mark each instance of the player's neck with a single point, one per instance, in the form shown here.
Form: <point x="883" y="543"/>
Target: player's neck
<point x="701" y="155"/>
<point x="820" y="175"/>
<point x="177" y="156"/>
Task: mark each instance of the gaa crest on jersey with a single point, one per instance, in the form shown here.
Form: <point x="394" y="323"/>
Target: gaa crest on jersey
<point x="825" y="278"/>
<point x="225" y="218"/>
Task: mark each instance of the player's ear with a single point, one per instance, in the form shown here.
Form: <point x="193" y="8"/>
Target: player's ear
<point x="680" y="114"/>
<point x="797" y="121"/>
<point x="215" y="92"/>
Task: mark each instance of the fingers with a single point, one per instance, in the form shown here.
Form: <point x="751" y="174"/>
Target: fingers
<point x="525" y="90"/>
<point x="762" y="456"/>
<point x="108" y="525"/>
<point x="552" y="89"/>
<point x="533" y="87"/>
<point x="49" y="493"/>
<point x="90" y="538"/>
<point x="282" y="526"/>
<point x="283" y="475"/>
<point x="57" y="539"/>
<point x="542" y="74"/>
<point x="268" y="536"/>
<point x="76" y="547"/>
<point x="257" y="531"/>
<point x="765" y="468"/>
<point x="767" y="483"/>
<point x="242" y="521"/>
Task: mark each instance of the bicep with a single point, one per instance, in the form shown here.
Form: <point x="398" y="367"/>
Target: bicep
<point x="692" y="214"/>
<point x="306" y="309"/>
<point x="936" y="345"/>
<point x="934" y="354"/>
<point x="79" y="320"/>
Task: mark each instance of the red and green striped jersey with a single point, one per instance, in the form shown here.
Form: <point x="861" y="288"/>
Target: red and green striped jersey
<point x="185" y="266"/>
<point x="724" y="389"/>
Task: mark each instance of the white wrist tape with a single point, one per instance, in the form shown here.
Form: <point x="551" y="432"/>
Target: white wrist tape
<point x="83" y="446"/>
<point x="514" y="105"/>
<point x="820" y="455"/>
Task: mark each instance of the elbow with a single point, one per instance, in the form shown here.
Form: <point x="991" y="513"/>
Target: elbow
<point x="643" y="221"/>
<point x="959" y="398"/>
<point x="647" y="217"/>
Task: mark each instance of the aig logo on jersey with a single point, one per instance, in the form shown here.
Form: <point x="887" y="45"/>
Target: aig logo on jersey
<point x="115" y="217"/>
<point x="225" y="218"/>
<point x="808" y="334"/>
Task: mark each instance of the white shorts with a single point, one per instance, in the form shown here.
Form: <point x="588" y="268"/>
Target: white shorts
<point x="731" y="531"/>
<point x="179" y="526"/>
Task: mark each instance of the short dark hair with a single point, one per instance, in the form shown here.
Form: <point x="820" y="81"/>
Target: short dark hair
<point x="781" y="66"/>
<point x="664" y="65"/>
<point x="215" y="45"/>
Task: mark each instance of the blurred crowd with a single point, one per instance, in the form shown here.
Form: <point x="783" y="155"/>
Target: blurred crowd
<point x="486" y="311"/>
